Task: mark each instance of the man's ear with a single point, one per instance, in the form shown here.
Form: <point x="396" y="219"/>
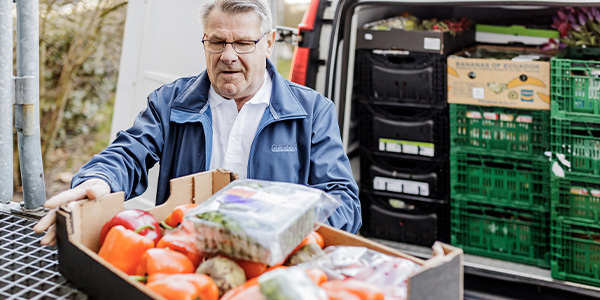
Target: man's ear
<point x="270" y="42"/>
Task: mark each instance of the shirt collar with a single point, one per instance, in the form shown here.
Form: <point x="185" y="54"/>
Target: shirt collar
<point x="262" y="96"/>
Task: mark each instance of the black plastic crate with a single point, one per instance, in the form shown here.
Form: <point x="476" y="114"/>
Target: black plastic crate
<point x="413" y="179"/>
<point x="416" y="79"/>
<point x="407" y="131"/>
<point x="394" y="217"/>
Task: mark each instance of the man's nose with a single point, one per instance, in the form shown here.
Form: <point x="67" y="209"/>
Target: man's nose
<point x="229" y="53"/>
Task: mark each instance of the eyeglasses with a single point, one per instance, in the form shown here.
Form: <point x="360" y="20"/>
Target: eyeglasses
<point x="240" y="47"/>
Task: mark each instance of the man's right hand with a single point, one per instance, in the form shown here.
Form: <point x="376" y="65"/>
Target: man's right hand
<point x="90" y="189"/>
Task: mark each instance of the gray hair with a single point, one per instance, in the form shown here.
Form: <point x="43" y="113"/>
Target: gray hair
<point x="260" y="7"/>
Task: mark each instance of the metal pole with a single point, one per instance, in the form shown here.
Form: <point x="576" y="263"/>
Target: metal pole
<point x="27" y="114"/>
<point x="6" y="101"/>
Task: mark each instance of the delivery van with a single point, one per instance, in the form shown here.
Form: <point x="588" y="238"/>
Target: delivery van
<point x="391" y="89"/>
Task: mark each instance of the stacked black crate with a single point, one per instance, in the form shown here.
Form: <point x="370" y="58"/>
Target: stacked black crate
<point x="400" y="96"/>
<point x="403" y="138"/>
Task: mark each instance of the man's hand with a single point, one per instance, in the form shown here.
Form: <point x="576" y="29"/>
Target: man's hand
<point x="90" y="189"/>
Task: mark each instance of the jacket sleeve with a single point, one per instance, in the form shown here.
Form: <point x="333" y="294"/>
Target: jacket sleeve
<point x="330" y="169"/>
<point x="124" y="164"/>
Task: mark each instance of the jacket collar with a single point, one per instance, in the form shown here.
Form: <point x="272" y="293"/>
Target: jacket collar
<point x="194" y="99"/>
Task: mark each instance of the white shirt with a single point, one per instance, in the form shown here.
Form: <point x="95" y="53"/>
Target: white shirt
<point x="234" y="132"/>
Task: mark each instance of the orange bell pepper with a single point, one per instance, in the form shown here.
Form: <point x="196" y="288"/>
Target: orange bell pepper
<point x="176" y="216"/>
<point x="123" y="248"/>
<point x="182" y="239"/>
<point x="185" y="287"/>
<point x="159" y="260"/>
<point x="364" y="290"/>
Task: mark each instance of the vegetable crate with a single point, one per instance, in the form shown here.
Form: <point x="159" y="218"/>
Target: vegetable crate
<point x="498" y="130"/>
<point x="409" y="178"/>
<point x="414" y="79"/>
<point x="575" y="84"/>
<point x="576" y="251"/>
<point x="413" y="133"/>
<point x="502" y="232"/>
<point x="398" y="218"/>
<point x="579" y="143"/>
<point x="576" y="199"/>
<point x="500" y="180"/>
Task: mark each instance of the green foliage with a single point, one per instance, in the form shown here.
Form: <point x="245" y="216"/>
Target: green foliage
<point x="80" y="45"/>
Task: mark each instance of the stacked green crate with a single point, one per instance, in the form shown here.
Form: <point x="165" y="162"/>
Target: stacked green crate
<point x="575" y="145"/>
<point x="500" y="187"/>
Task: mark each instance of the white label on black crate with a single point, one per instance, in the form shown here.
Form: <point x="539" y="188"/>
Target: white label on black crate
<point x="430" y="43"/>
<point x="401" y="186"/>
<point x="426" y="151"/>
<point x="410" y="149"/>
<point x="393" y="147"/>
<point x="368" y="37"/>
<point x="478" y="93"/>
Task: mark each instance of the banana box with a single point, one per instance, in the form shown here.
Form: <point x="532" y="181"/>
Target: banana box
<point x="500" y="76"/>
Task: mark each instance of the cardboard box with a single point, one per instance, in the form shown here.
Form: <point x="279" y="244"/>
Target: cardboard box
<point x="414" y="40"/>
<point x="499" y="82"/>
<point x="79" y="224"/>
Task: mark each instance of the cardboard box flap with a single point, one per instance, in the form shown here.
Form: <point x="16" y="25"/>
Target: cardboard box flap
<point x="193" y="188"/>
<point x="97" y="213"/>
<point x="442" y="276"/>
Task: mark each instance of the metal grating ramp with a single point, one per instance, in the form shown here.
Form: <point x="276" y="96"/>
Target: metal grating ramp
<point x="27" y="269"/>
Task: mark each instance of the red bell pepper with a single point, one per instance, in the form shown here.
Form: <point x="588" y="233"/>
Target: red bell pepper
<point x="133" y="219"/>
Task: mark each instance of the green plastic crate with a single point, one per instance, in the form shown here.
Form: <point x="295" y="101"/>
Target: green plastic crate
<point x="576" y="199"/>
<point x="579" y="142"/>
<point x="575" y="251"/>
<point x="505" y="131"/>
<point x="575" y="83"/>
<point x="505" y="233"/>
<point x="501" y="180"/>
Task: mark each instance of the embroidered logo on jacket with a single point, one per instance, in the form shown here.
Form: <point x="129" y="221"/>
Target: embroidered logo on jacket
<point x="284" y="148"/>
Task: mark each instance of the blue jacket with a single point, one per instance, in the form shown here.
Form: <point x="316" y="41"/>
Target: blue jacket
<point x="297" y="140"/>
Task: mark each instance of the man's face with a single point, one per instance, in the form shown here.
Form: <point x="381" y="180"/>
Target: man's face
<point x="233" y="75"/>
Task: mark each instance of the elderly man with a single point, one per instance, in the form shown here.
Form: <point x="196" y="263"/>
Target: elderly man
<point x="239" y="114"/>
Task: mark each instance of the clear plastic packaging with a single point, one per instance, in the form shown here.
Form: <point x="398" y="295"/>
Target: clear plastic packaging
<point x="260" y="221"/>
<point x="290" y="284"/>
<point x="390" y="273"/>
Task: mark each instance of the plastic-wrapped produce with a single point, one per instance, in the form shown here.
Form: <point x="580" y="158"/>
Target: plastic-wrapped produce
<point x="387" y="272"/>
<point x="257" y="220"/>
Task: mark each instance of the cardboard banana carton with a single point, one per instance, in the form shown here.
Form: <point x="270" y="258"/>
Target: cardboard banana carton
<point x="508" y="77"/>
<point x="79" y="225"/>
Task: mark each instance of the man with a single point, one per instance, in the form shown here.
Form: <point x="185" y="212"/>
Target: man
<point x="239" y="114"/>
